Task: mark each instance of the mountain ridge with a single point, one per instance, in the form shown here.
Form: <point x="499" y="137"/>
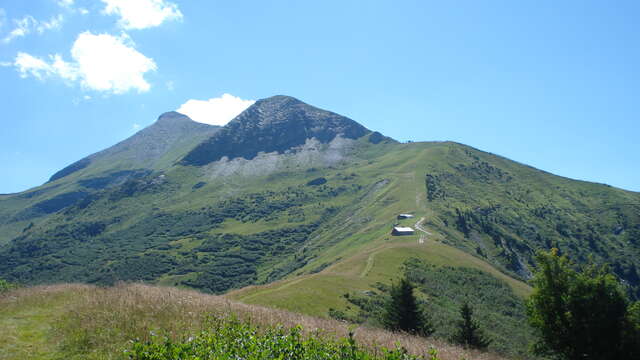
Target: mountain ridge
<point x="274" y="124"/>
<point x="308" y="231"/>
<point x="146" y="147"/>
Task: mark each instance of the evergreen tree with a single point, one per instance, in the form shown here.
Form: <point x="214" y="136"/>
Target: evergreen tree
<point x="580" y="315"/>
<point x="468" y="333"/>
<point x="402" y="312"/>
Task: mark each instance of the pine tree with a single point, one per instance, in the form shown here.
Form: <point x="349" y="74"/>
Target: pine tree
<point x="468" y="333"/>
<point x="403" y="313"/>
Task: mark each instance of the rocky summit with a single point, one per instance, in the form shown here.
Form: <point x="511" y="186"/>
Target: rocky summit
<point x="275" y="124"/>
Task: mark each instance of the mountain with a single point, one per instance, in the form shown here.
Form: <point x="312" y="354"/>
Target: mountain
<point x="151" y="150"/>
<point x="276" y="124"/>
<point x="155" y="147"/>
<point x="292" y="206"/>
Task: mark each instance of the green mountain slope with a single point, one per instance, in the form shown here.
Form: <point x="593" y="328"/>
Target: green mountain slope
<point x="297" y="221"/>
<point x="152" y="149"/>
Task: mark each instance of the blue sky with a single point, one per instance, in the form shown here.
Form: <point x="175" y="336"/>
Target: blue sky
<point x="552" y="84"/>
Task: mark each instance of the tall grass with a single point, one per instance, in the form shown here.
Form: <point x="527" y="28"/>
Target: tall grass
<point x="101" y="323"/>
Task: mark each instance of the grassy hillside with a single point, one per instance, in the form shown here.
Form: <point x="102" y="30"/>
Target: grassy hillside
<point x="299" y="230"/>
<point x="85" y="322"/>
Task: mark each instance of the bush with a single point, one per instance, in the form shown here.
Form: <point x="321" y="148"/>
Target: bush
<point x="230" y="339"/>
<point x="6" y="286"/>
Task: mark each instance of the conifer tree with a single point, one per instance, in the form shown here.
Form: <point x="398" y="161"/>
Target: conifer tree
<point x="468" y="333"/>
<point x="403" y="312"/>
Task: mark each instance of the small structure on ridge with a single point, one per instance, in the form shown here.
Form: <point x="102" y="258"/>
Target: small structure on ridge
<point x="401" y="230"/>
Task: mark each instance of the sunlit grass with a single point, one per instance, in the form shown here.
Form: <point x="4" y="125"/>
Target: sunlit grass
<point x="86" y="322"/>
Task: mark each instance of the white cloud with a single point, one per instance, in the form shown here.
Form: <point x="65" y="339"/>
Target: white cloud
<point x="215" y="111"/>
<point x="136" y="127"/>
<point x="100" y="62"/>
<point x="69" y="6"/>
<point x="53" y="24"/>
<point x="28" y="24"/>
<point x="109" y="63"/>
<point x="23" y="27"/>
<point x="65" y="3"/>
<point x="142" y="14"/>
<point x="30" y="65"/>
<point x="65" y="70"/>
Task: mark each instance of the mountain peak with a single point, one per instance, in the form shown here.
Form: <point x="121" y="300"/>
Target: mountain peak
<point x="146" y="148"/>
<point x="274" y="124"/>
<point x="280" y="100"/>
<point x="173" y="116"/>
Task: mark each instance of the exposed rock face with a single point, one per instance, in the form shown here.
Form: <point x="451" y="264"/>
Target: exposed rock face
<point x="309" y="155"/>
<point x="275" y="124"/>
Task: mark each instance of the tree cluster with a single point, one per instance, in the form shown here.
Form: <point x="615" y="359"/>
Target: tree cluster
<point x="577" y="314"/>
<point x="403" y="313"/>
<point x="581" y="314"/>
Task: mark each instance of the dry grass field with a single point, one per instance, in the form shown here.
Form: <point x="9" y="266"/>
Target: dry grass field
<point x="72" y="321"/>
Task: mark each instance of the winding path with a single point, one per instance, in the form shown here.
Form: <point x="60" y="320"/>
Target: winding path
<point x="419" y="227"/>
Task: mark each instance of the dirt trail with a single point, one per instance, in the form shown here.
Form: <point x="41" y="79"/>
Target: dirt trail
<point x="423" y="237"/>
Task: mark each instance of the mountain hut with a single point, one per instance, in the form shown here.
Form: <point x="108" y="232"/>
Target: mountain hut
<point x="401" y="230"/>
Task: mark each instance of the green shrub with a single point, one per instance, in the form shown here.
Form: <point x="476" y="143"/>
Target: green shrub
<point x="6" y="286"/>
<point x="229" y="338"/>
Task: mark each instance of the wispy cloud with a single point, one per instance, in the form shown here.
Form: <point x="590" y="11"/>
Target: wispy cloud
<point x="101" y="62"/>
<point x="3" y="17"/>
<point x="22" y="28"/>
<point x="29" y="24"/>
<point x="215" y="111"/>
<point x="53" y="24"/>
<point x="69" y="6"/>
<point x="142" y="14"/>
<point x="65" y="3"/>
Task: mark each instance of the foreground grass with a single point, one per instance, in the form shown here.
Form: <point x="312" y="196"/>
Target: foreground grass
<point x="27" y="317"/>
<point x="86" y="322"/>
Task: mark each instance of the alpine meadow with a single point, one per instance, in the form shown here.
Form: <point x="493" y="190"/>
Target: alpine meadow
<point x="335" y="180"/>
